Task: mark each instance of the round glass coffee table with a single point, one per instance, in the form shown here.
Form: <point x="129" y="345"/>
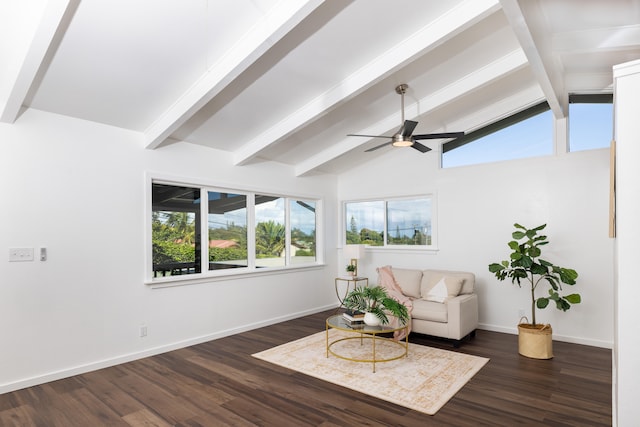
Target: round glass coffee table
<point x="362" y="333"/>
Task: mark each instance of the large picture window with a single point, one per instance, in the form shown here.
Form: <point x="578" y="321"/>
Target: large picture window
<point x="391" y="222"/>
<point x="243" y="231"/>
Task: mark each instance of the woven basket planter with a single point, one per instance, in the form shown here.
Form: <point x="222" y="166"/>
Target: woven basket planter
<point x="535" y="341"/>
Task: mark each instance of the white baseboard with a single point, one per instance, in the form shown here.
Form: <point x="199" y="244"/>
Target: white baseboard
<point x="556" y="337"/>
<point x="100" y="364"/>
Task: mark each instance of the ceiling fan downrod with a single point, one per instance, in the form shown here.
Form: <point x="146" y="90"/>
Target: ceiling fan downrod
<point x="400" y="90"/>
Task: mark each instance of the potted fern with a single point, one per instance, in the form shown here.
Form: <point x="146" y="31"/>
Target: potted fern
<point x="376" y="303"/>
<point x="525" y="265"/>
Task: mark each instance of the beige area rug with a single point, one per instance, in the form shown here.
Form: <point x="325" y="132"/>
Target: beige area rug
<point x="423" y="381"/>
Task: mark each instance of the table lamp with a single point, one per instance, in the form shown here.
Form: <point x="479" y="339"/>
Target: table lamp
<point x="354" y="253"/>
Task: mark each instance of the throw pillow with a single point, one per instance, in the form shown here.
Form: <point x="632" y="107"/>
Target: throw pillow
<point x="409" y="281"/>
<point x="446" y="288"/>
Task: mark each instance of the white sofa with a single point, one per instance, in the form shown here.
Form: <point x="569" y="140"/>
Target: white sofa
<point x="455" y="317"/>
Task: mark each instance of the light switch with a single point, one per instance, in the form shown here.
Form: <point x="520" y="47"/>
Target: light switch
<point x="43" y="254"/>
<point x="20" y="254"/>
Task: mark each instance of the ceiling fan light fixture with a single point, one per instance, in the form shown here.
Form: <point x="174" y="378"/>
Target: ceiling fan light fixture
<point x="400" y="141"/>
<point x="405" y="137"/>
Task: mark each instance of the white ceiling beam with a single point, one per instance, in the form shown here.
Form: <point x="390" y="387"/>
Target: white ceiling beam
<point x="601" y="39"/>
<point x="278" y="21"/>
<point x="46" y="32"/>
<point x="540" y="62"/>
<point x="429" y="37"/>
<point x="471" y="82"/>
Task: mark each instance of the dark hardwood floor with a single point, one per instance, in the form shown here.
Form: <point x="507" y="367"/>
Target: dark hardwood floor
<point x="218" y="383"/>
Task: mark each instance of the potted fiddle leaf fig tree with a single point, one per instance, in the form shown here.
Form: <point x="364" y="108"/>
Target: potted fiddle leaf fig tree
<point x="376" y="304"/>
<point x="525" y="265"/>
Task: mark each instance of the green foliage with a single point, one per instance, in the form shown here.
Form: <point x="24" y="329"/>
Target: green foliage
<point x="376" y="300"/>
<point x="363" y="237"/>
<point x="525" y="265"/>
<point x="351" y="267"/>
<point x="371" y="237"/>
<point x="418" y="238"/>
<point x="305" y="252"/>
<point x="170" y="252"/>
<point x="270" y="239"/>
<point x="173" y="236"/>
<point x="227" y="254"/>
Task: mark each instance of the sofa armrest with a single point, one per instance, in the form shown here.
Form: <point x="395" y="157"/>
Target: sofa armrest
<point x="462" y="315"/>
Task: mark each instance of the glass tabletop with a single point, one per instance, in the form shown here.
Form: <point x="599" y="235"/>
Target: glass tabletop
<point x="339" y="322"/>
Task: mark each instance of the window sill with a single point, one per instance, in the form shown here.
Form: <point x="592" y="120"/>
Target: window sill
<point x="235" y="274"/>
<point x="402" y="249"/>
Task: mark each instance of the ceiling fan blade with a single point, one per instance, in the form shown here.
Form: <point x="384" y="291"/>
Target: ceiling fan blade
<point x="369" y="136"/>
<point x="439" y="135"/>
<point x="407" y="127"/>
<point x="379" y="146"/>
<point x="421" y="148"/>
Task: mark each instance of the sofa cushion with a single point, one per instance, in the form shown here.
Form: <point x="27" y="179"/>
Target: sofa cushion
<point x="447" y="287"/>
<point x="431" y="277"/>
<point x="409" y="281"/>
<point x="429" y="310"/>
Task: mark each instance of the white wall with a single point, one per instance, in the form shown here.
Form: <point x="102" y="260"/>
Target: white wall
<point x="477" y="207"/>
<point x="78" y="189"/>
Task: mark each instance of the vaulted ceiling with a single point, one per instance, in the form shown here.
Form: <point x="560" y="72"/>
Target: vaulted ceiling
<point x="287" y="80"/>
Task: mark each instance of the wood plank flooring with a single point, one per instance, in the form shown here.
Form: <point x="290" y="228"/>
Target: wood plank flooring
<point x="218" y="384"/>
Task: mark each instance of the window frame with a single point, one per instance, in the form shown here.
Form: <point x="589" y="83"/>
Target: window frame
<point x="251" y="269"/>
<point x="385" y="247"/>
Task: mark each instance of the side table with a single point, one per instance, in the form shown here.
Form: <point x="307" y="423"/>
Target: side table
<point x="349" y="279"/>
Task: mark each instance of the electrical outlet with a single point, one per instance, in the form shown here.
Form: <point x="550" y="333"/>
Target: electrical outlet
<point x="143" y="331"/>
<point x="521" y="312"/>
<point x="20" y="254"/>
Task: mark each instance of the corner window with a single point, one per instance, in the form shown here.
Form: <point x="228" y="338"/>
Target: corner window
<point x="590" y="121"/>
<point x="281" y="233"/>
<point x="391" y="222"/>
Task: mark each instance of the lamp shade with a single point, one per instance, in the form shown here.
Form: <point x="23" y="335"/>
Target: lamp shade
<point x="354" y="251"/>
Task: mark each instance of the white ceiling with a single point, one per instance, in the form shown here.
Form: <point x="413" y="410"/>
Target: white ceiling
<point x="287" y="80"/>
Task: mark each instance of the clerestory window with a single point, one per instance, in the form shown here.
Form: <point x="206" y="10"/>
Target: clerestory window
<point x="590" y="121"/>
<point x="528" y="133"/>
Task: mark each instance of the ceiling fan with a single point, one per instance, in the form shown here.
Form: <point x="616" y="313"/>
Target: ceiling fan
<point x="404" y="137"/>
